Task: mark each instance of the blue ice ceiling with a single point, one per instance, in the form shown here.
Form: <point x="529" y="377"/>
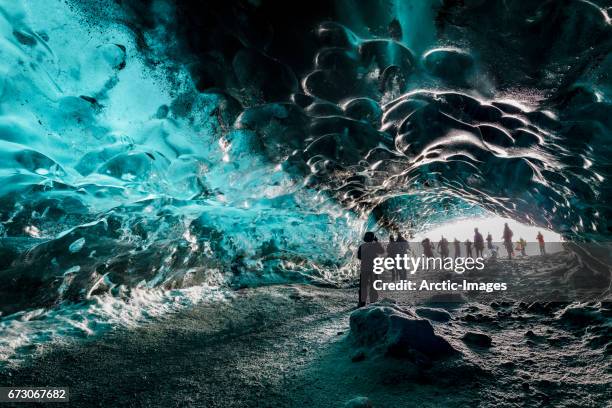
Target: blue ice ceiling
<point x="163" y="143"/>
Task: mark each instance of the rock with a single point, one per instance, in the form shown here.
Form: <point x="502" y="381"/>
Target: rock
<point x="581" y="316"/>
<point x="531" y="336"/>
<point x="396" y="333"/>
<point x="358" y="402"/>
<point x="477" y="339"/>
<point x="437" y="315"/>
<point x="503" y="314"/>
<point x="477" y="318"/>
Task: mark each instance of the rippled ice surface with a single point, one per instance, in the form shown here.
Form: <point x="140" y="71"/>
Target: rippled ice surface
<point x="116" y="182"/>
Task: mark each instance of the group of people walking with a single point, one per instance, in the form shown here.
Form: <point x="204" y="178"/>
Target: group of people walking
<point x="476" y="247"/>
<point x="399" y="245"/>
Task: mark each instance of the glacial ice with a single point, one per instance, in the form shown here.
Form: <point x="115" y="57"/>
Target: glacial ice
<point x="113" y="178"/>
<point x="127" y="166"/>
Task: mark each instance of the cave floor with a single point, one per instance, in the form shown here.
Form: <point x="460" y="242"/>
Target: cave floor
<point x="287" y="346"/>
<point x="241" y="353"/>
<point x="274" y="346"/>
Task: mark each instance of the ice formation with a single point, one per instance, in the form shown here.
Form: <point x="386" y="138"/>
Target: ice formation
<point x="114" y="179"/>
<point x="159" y="144"/>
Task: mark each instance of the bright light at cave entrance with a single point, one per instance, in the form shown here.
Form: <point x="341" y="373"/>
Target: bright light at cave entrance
<point x="464" y="229"/>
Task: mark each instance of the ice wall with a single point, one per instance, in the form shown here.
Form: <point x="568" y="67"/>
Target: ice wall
<point x="117" y="174"/>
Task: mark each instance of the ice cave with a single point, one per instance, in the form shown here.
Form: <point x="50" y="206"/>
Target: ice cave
<point x="184" y="185"/>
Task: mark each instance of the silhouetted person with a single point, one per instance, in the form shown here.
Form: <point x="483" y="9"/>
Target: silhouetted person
<point x="489" y="241"/>
<point x="427" y="248"/>
<point x="540" y="239"/>
<point x="507" y="237"/>
<point x="391" y="252"/>
<point x="468" y="248"/>
<point x="517" y="247"/>
<point x="523" y="246"/>
<point x="443" y="247"/>
<point x="402" y="248"/>
<point x="369" y="250"/>
<point x="457" y="248"/>
<point x="478" y="243"/>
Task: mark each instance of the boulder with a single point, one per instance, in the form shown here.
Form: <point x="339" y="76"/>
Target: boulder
<point x="397" y="333"/>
